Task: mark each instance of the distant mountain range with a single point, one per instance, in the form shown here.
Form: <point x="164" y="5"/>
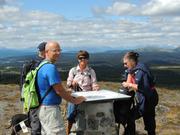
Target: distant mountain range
<point x="111" y="57"/>
<point x="108" y="64"/>
<point x="4" y="52"/>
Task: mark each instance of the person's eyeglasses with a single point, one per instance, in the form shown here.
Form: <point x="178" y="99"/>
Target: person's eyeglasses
<point x="56" y="50"/>
<point x="82" y="58"/>
<point x="125" y="63"/>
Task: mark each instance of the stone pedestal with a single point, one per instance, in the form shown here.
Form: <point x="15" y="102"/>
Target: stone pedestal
<point x="95" y="118"/>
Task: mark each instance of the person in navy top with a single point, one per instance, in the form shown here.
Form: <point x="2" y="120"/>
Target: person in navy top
<point x="48" y="77"/>
<point x="141" y="80"/>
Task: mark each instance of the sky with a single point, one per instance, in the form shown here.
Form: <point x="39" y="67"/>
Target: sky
<point x="111" y="24"/>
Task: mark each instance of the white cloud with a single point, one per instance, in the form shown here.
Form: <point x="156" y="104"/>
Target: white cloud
<point x="120" y="8"/>
<point x="151" y="8"/>
<point x="1" y="26"/>
<point x="8" y="9"/>
<point x="8" y="13"/>
<point x="23" y="29"/>
<point x="31" y="29"/>
<point x="176" y="19"/>
<point x="162" y="7"/>
<point x="117" y="8"/>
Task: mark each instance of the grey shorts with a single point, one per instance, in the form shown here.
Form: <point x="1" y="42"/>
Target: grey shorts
<point x="51" y="120"/>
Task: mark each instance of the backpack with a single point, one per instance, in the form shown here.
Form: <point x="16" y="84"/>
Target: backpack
<point x="30" y="92"/>
<point x="28" y="66"/>
<point x="151" y="77"/>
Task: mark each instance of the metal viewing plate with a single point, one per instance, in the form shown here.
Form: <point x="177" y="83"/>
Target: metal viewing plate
<point x="100" y="95"/>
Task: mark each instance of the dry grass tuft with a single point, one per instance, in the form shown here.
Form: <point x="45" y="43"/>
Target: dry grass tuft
<point x="167" y="111"/>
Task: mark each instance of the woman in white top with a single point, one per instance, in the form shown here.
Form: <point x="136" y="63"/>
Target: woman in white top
<point x="81" y="78"/>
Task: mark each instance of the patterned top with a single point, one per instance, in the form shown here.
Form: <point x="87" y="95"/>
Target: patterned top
<point x="86" y="79"/>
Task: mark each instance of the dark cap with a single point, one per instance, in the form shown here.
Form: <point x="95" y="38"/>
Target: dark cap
<point x="41" y="46"/>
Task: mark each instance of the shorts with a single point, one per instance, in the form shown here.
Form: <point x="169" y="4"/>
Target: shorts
<point x="51" y="120"/>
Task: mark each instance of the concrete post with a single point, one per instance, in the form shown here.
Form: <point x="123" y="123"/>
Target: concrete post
<point x="96" y="118"/>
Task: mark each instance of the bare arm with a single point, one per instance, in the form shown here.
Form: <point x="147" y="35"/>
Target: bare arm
<point x="66" y="95"/>
<point x="130" y="85"/>
<point x="71" y="83"/>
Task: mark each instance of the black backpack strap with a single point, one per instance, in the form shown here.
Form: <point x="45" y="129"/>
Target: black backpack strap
<point x="78" y="88"/>
<point x="74" y="72"/>
<point x="47" y="92"/>
<point x="89" y="71"/>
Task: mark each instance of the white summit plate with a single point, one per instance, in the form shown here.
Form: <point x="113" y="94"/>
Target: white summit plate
<point x="100" y="95"/>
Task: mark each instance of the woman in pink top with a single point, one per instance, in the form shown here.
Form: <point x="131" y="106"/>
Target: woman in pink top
<point x="81" y="78"/>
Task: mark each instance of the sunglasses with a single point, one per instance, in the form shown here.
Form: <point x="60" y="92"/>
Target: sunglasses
<point x="125" y="63"/>
<point x="82" y="58"/>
